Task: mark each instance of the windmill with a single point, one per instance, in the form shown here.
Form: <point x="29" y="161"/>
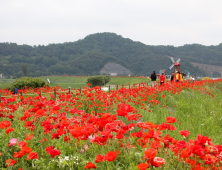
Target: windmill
<point x="175" y="64"/>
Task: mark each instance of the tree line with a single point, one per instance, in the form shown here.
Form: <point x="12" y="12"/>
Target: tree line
<point x="89" y="55"/>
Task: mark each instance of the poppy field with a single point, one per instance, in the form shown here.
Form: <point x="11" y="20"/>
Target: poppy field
<point x="172" y="126"/>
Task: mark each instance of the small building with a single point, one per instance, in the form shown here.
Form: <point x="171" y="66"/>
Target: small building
<point x="113" y="74"/>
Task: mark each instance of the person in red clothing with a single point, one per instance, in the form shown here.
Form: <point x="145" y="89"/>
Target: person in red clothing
<point x="162" y="79"/>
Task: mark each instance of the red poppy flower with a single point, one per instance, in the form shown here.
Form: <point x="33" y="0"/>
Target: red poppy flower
<point x="99" y="158"/>
<point x="9" y="130"/>
<point x="110" y="156"/>
<point x="10" y="162"/>
<point x="90" y="165"/>
<point x="56" y="108"/>
<point x="212" y="150"/>
<point x="28" y="123"/>
<point x="137" y="134"/>
<point x="112" y="126"/>
<point x="19" y="154"/>
<point x="54" y="152"/>
<point x="119" y="136"/>
<point x="124" y="110"/>
<point x="184" y="133"/>
<point x="140" y="124"/>
<point x="122" y="113"/>
<point x="10" y="116"/>
<point x="132" y="117"/>
<point x="148" y="125"/>
<point x="210" y="159"/>
<point x="157" y="161"/>
<point x="171" y="119"/>
<point x="150" y="153"/>
<point x="22" y="144"/>
<point x="181" y="144"/>
<point x="32" y="155"/>
<point x="5" y="124"/>
<point x="67" y="139"/>
<point x="185" y="154"/>
<point x="76" y="133"/>
<point x="143" y="166"/>
<point x="55" y="136"/>
<point x="29" y="137"/>
<point x="26" y="149"/>
<point x="49" y="148"/>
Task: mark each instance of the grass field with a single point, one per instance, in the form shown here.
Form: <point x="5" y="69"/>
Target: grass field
<point x="4" y="83"/>
<point x="77" y="82"/>
<point x="66" y="81"/>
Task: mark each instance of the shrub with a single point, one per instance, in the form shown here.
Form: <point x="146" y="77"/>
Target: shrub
<point x="98" y="80"/>
<point x="107" y="78"/>
<point x="27" y="82"/>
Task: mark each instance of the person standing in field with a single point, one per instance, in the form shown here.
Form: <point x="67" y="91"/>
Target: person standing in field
<point x="153" y="78"/>
<point x="178" y="77"/>
<point x="195" y="78"/>
<point x="162" y="79"/>
<point x="172" y="77"/>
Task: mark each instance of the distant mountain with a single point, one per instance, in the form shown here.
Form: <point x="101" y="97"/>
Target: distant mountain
<point x="89" y="55"/>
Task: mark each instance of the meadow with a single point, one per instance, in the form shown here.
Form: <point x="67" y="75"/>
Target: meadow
<point x="173" y="126"/>
<point x="79" y="81"/>
<point x="4" y="83"/>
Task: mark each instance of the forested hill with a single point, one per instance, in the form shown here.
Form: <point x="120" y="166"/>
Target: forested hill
<point x="89" y="55"/>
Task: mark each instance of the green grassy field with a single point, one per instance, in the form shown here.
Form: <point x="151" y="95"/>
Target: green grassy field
<point x="66" y="81"/>
<point x="77" y="82"/>
<point x="4" y="83"/>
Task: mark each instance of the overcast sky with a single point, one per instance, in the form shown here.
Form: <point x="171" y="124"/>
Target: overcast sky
<point x="152" y="22"/>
